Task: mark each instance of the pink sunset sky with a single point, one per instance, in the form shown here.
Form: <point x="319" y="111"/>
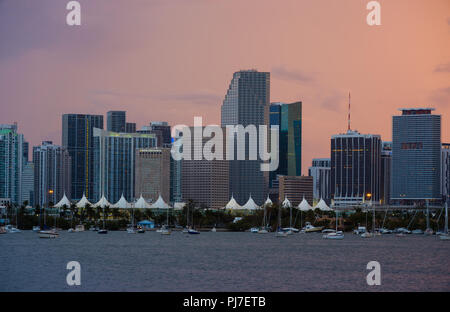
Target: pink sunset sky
<point x="172" y="60"/>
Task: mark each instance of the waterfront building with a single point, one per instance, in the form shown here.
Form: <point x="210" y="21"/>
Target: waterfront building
<point x="52" y="173"/>
<point x="355" y="168"/>
<point x="320" y="171"/>
<point x="205" y="181"/>
<point x="295" y="188"/>
<point x="116" y="121"/>
<point x="386" y="171"/>
<point x="28" y="183"/>
<point x="153" y="173"/>
<point x="176" y="176"/>
<point x="445" y="171"/>
<point x="77" y="138"/>
<point x="247" y="103"/>
<point x="162" y="130"/>
<point x="11" y="163"/>
<point x="416" y="156"/>
<point x="115" y="159"/>
<point x="289" y="119"/>
<point x="130" y="127"/>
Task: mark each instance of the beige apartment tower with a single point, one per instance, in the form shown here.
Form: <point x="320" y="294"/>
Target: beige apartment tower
<point x="153" y="173"/>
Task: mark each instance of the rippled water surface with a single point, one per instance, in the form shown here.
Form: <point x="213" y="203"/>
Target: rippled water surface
<point x="221" y="262"/>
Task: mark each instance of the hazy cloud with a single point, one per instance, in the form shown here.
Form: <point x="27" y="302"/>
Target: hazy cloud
<point x="287" y="74"/>
<point x="442" y="68"/>
<point x="441" y="96"/>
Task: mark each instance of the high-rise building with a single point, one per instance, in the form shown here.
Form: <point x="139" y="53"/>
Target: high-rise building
<point x="295" y="188"/>
<point x="11" y="163"/>
<point x="320" y="171"/>
<point x="386" y="171"/>
<point x="247" y="103"/>
<point x="77" y="138"/>
<point x="175" y="177"/>
<point x="205" y="181"/>
<point x="130" y="127"/>
<point x="28" y="183"/>
<point x="162" y="131"/>
<point x="355" y="168"/>
<point x="289" y="119"/>
<point x="116" y="121"/>
<point x="153" y="173"/>
<point x="114" y="160"/>
<point x="52" y="173"/>
<point x="445" y="171"/>
<point x="416" y="156"/>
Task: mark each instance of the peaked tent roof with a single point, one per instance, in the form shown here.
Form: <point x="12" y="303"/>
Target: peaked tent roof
<point x="232" y="204"/>
<point x="160" y="204"/>
<point x="322" y="206"/>
<point x="268" y="201"/>
<point x="286" y="203"/>
<point x="250" y="204"/>
<point x="83" y="202"/>
<point x="304" y="205"/>
<point x="141" y="203"/>
<point x="102" y="203"/>
<point x="63" y="202"/>
<point x="122" y="203"/>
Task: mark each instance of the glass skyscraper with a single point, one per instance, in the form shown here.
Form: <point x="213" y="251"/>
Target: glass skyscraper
<point x="11" y="163"/>
<point x="114" y="162"/>
<point x="116" y="121"/>
<point x="247" y="103"/>
<point x="77" y="138"/>
<point x="355" y="168"/>
<point x="416" y="156"/>
<point x="289" y="119"/>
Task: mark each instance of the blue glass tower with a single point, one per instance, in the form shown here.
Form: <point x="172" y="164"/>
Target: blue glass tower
<point x="416" y="162"/>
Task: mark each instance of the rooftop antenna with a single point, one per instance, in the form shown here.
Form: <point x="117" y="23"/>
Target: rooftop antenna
<point x="348" y="111"/>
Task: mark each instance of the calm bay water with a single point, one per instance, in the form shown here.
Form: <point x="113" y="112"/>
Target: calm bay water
<point x="221" y="262"/>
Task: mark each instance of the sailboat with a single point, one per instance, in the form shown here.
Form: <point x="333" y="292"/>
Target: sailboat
<point x="280" y="232"/>
<point x="446" y="235"/>
<point x="337" y="234"/>
<point x="46" y="232"/>
<point x="102" y="203"/>
<point x="428" y="230"/>
<point x="264" y="230"/>
<point x="192" y="229"/>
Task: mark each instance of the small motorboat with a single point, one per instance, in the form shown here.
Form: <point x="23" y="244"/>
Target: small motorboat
<point x="79" y="228"/>
<point x="36" y="228"/>
<point x="140" y="230"/>
<point x="11" y="229"/>
<point x="309" y="228"/>
<point x="70" y="230"/>
<point x="131" y="230"/>
<point x="193" y="231"/>
<point x="254" y="230"/>
<point x="334" y="235"/>
<point x="102" y="231"/>
<point x="48" y="234"/>
<point x="263" y="231"/>
<point x="213" y="229"/>
<point x="417" y="231"/>
<point x="360" y="230"/>
<point x="366" y="235"/>
<point x="165" y="231"/>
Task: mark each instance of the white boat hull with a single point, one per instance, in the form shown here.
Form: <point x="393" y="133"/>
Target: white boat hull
<point x="47" y="234"/>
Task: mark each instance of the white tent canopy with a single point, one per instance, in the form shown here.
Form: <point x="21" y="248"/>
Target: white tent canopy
<point x="304" y="205"/>
<point x="268" y="202"/>
<point x="83" y="202"/>
<point x="232" y="204"/>
<point x="141" y="203"/>
<point x="102" y="203"/>
<point x="122" y="203"/>
<point x="160" y="204"/>
<point x="63" y="202"/>
<point x="322" y="206"/>
<point x="179" y="205"/>
<point x="250" y="204"/>
<point x="286" y="203"/>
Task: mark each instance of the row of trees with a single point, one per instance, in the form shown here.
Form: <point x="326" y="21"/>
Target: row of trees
<point x="201" y="217"/>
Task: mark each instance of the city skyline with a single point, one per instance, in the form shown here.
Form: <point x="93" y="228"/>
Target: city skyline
<point x="144" y="71"/>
